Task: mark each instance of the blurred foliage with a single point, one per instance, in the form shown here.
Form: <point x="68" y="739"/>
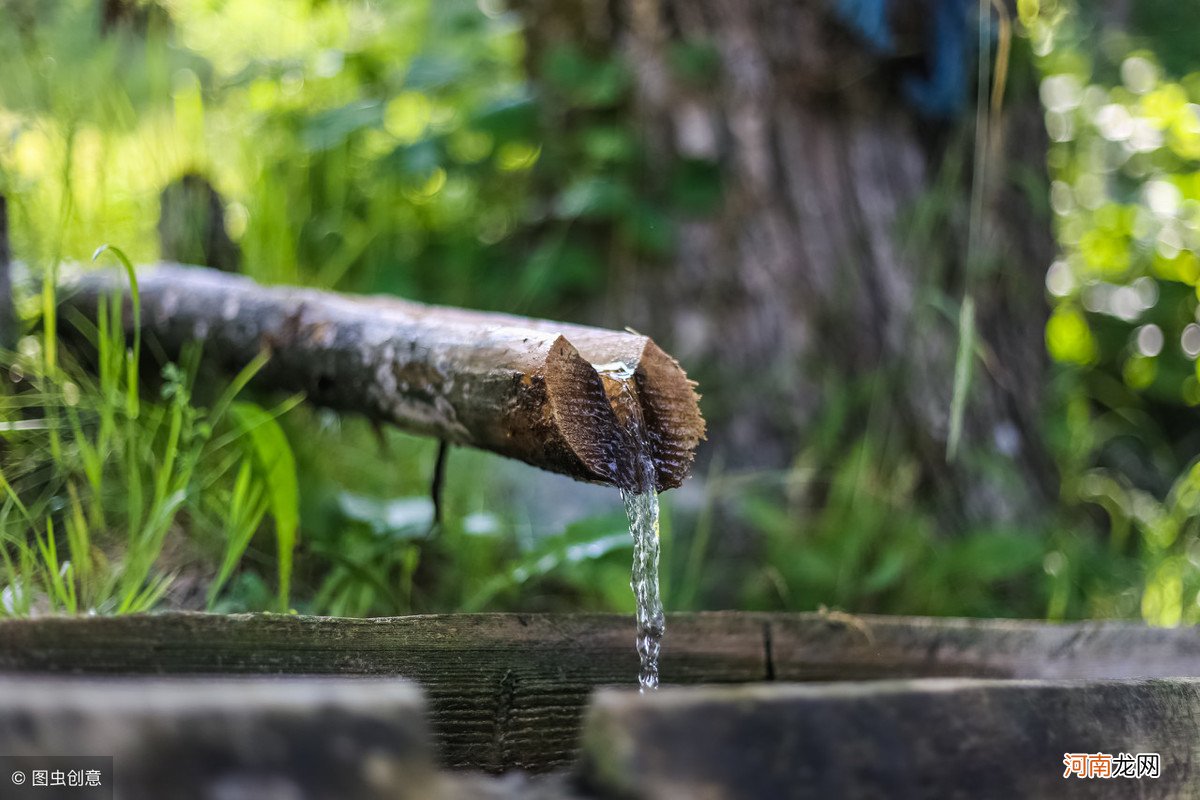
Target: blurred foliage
<point x="399" y="147"/>
<point x="347" y="149"/>
<point x="386" y="147"/>
<point x="848" y="528"/>
<point x="1122" y="105"/>
<point x="371" y="546"/>
<point x="389" y="147"/>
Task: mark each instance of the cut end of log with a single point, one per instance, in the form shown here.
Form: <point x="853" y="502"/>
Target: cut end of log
<point x="671" y="412"/>
<point x="591" y="420"/>
<point x="578" y="412"/>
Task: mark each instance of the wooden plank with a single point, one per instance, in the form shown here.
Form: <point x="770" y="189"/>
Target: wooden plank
<point x="505" y="691"/>
<point x="926" y="738"/>
<point x="836" y="646"/>
<point x="535" y="390"/>
<point x="508" y="690"/>
<point x="326" y="738"/>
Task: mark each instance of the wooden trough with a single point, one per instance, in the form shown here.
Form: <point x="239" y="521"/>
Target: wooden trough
<point x="824" y="706"/>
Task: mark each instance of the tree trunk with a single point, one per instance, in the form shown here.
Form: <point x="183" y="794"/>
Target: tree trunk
<point x="823" y="264"/>
<point x="10" y="323"/>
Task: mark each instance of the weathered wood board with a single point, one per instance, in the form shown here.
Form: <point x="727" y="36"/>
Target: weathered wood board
<point x="507" y="691"/>
<point x="813" y="647"/>
<point x="902" y="740"/>
<point x="183" y="738"/>
<point x="504" y="691"/>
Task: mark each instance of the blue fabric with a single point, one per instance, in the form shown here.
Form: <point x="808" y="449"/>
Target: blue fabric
<point x="942" y="92"/>
<point x="869" y="19"/>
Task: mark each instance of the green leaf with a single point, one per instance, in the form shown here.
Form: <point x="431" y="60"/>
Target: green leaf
<point x="962" y="375"/>
<point x="587" y="540"/>
<point x="587" y="82"/>
<point x="887" y="571"/>
<point x="235" y="387"/>
<point x="696" y="187"/>
<point x="594" y="198"/>
<point x="648" y="230"/>
<point x="136" y="302"/>
<point x="277" y="465"/>
<point x="328" y="129"/>
<point x="397" y="518"/>
<point x="428" y="72"/>
<point x="415" y="161"/>
<point x="246" y="508"/>
<point x="695" y="63"/>
<point x="562" y="266"/>
<point x="511" y="118"/>
<point x="995" y="556"/>
<point x="608" y="144"/>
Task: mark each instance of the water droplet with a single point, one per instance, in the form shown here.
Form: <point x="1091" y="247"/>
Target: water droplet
<point x="1149" y="340"/>
<point x="1189" y="340"/>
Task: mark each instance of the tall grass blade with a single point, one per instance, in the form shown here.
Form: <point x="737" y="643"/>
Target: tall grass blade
<point x="963" y="363"/>
<point x="135" y="300"/>
<point x="277" y="465"/>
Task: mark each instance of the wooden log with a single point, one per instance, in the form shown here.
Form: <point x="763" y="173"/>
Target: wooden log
<point x="528" y="389"/>
<point x="507" y="691"/>
<point x="326" y="738"/>
<point x="932" y="738"/>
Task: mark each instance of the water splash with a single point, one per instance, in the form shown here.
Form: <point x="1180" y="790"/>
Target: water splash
<point x="641" y="507"/>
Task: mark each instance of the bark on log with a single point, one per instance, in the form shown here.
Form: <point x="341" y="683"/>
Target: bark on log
<point x="528" y="389"/>
<point x="943" y="738"/>
<point x="319" y="738"/>
<point x="508" y="691"/>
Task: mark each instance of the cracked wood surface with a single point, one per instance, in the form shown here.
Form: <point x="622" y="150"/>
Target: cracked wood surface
<point x="524" y="388"/>
<point x="507" y="691"/>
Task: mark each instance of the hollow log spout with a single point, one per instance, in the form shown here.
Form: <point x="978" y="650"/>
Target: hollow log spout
<point x="523" y="388"/>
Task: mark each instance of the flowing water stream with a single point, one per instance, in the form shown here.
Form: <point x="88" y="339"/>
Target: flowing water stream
<point x="641" y="507"/>
<point x="642" y="510"/>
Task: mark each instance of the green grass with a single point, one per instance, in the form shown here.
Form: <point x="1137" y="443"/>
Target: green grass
<point x="101" y="470"/>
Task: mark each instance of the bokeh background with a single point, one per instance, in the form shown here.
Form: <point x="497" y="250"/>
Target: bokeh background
<point x="933" y="264"/>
